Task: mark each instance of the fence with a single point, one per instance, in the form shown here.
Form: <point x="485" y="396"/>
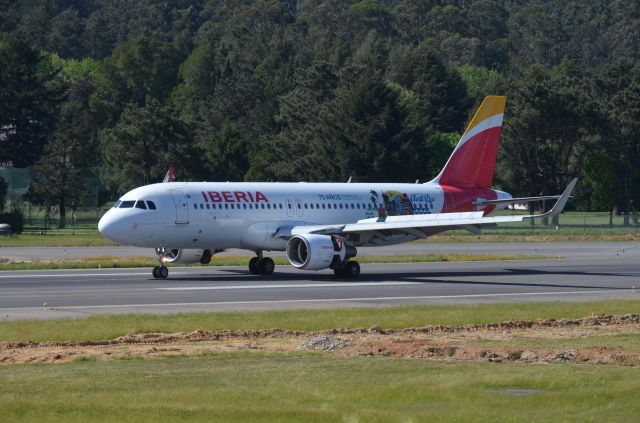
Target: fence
<point x="85" y="220"/>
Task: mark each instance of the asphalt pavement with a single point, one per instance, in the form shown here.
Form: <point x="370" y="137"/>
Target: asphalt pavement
<point x="588" y="271"/>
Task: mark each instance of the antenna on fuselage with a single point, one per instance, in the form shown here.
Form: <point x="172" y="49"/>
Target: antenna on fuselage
<point x="417" y="181"/>
<point x="349" y="180"/>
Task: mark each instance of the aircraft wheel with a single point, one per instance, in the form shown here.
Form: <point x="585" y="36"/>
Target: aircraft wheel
<point x="266" y="266"/>
<point x="254" y="265"/>
<point x="156" y="272"/>
<point x="339" y="272"/>
<point x="351" y="269"/>
<point x="163" y="272"/>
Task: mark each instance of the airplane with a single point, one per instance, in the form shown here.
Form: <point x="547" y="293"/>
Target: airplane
<point x="320" y="225"/>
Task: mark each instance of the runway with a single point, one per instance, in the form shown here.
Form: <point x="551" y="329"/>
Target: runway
<point x="546" y="249"/>
<point x="607" y="274"/>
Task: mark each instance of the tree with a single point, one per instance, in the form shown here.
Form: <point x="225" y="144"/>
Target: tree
<point x="141" y="69"/>
<point x="293" y="153"/>
<point x="3" y="193"/>
<point x="482" y="82"/>
<point x="66" y="34"/>
<point x="619" y="103"/>
<point x="28" y="100"/>
<point x="141" y="146"/>
<point x="549" y="130"/>
<point x="441" y="93"/>
<point x="226" y="156"/>
<point x="70" y="157"/>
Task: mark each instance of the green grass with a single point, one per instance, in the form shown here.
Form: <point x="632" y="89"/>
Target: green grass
<point x="627" y="341"/>
<point x="111" y="326"/>
<point x="101" y="262"/>
<point x="257" y="387"/>
<point x="56" y="239"/>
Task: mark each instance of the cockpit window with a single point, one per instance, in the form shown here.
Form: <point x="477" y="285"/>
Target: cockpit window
<point x="141" y="205"/>
<point x="126" y="204"/>
<point x="151" y="204"/>
<point x="115" y="206"/>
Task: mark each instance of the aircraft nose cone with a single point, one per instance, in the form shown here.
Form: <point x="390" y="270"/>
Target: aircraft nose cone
<point x="106" y="226"/>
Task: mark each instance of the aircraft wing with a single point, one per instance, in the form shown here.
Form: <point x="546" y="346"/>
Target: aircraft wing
<point x="423" y="225"/>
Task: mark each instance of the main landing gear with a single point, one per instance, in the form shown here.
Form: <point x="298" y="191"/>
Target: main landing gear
<point x="161" y="271"/>
<point x="260" y="265"/>
<point x="349" y="270"/>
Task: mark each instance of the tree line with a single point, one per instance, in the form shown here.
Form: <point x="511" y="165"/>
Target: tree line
<point x="300" y="90"/>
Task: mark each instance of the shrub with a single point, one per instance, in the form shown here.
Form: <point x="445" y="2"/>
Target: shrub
<point x="15" y="218"/>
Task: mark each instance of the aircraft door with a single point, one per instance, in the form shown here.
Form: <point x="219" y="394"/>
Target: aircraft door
<point x="299" y="211"/>
<point x="289" y="208"/>
<point x="182" y="205"/>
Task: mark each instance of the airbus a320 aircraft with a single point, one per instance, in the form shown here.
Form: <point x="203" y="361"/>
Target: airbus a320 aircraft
<point x="319" y="225"/>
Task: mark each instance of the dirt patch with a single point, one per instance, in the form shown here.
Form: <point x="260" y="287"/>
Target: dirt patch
<point x="482" y="342"/>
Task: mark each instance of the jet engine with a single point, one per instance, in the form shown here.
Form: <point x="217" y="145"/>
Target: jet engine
<point x="179" y="256"/>
<point x="316" y="252"/>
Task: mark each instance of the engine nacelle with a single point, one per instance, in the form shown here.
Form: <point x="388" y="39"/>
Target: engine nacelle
<point x="316" y="252"/>
<point x="179" y="256"/>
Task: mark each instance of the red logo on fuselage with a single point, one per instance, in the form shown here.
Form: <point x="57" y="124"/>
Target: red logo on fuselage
<point x="234" y="197"/>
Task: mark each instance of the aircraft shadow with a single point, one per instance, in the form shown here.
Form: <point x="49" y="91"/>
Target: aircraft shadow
<point x="417" y="277"/>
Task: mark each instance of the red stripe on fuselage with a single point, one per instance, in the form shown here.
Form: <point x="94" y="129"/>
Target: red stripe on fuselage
<point x="458" y="199"/>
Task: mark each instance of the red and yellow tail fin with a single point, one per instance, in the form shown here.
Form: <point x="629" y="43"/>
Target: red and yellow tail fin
<point x="473" y="161"/>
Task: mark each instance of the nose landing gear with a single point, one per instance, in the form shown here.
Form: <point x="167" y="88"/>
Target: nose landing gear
<point x="161" y="271"/>
<point x="260" y="265"/>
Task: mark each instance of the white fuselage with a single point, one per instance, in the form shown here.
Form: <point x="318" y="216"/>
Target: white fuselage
<point x="253" y="216"/>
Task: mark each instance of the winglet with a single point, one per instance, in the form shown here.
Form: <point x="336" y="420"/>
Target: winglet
<point x="562" y="201"/>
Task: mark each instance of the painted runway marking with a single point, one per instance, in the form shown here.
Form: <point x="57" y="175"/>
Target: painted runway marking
<point x="321" y="300"/>
<point x="74" y="275"/>
<point x="297" y="285"/>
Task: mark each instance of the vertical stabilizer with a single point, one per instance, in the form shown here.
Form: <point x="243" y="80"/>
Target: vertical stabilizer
<point x="473" y="161"/>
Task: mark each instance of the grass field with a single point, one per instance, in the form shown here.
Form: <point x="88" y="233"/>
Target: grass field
<point x="260" y="386"/>
<point x="111" y="326"/>
<point x="309" y="387"/>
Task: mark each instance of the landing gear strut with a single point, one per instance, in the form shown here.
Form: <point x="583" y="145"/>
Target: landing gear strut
<point x="161" y="271"/>
<point x="349" y="270"/>
<point x="260" y="265"/>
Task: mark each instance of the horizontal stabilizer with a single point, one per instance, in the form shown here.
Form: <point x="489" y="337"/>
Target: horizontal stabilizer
<point x="516" y="200"/>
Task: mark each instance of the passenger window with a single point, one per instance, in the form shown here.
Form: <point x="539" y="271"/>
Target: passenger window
<point x="299" y="205"/>
<point x="226" y="206"/>
<point x="151" y="205"/>
<point x="208" y="206"/>
<point x="201" y="206"/>
<point x="127" y="204"/>
<point x="340" y="205"/>
<point x="262" y="205"/>
<point x="140" y="205"/>
<point x="289" y="205"/>
<point x="335" y="206"/>
<point x="244" y="206"/>
<point x="323" y="206"/>
<point x="195" y="206"/>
